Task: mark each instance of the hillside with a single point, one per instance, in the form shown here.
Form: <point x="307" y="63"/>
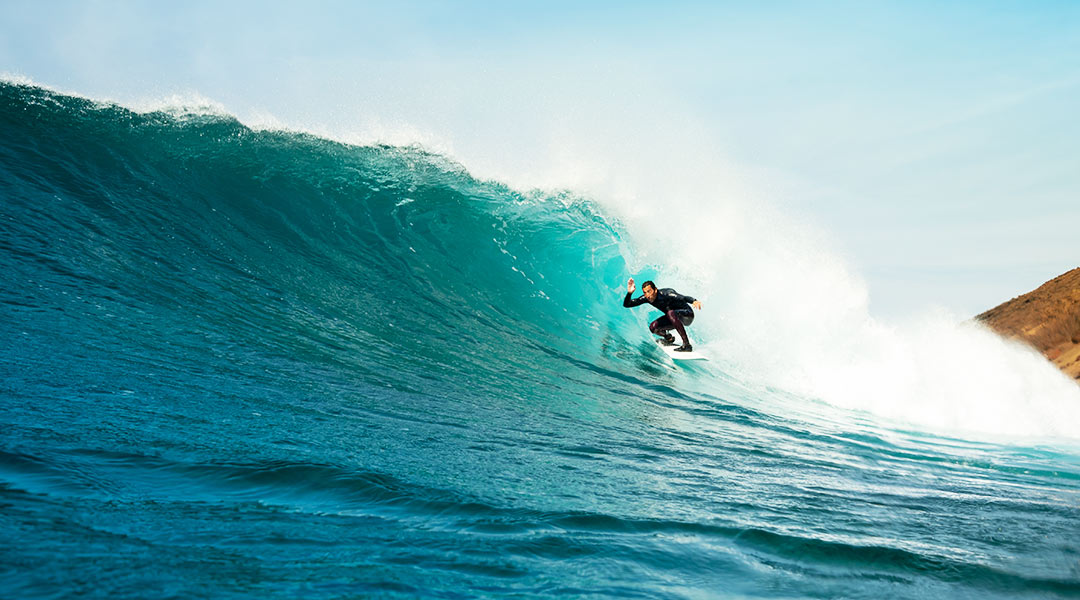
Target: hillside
<point x="1048" y="318"/>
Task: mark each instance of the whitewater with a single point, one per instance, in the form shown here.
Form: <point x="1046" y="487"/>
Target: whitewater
<point x="247" y="361"/>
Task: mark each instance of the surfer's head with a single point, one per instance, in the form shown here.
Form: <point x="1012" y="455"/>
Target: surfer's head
<point x="649" y="289"/>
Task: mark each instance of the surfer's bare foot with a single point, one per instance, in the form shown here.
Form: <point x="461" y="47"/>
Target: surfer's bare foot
<point x="685" y="348"/>
<point x="667" y="340"/>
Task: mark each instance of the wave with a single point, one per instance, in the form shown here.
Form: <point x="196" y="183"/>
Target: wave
<point x="180" y="236"/>
<point x="191" y="227"/>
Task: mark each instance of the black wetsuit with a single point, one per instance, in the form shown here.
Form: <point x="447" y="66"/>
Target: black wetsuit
<point x="676" y="309"/>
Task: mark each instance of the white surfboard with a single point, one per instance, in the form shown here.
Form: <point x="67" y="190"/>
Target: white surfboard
<point x="670" y="351"/>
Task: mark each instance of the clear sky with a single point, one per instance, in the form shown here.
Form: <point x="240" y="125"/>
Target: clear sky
<point x="937" y="143"/>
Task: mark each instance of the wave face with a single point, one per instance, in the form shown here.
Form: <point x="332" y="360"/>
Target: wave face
<point x="247" y="363"/>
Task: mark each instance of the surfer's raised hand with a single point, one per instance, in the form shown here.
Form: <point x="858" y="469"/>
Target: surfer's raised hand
<point x="630" y="285"/>
<point x="697" y="304"/>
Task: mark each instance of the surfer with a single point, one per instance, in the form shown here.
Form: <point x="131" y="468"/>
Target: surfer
<point x="676" y="309"/>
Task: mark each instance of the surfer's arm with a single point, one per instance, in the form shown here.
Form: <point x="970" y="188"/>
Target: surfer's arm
<point x="629" y="302"/>
<point x="689" y="300"/>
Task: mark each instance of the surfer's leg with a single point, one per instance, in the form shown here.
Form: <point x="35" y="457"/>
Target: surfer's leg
<point x="674" y="317"/>
<point x="661" y="327"/>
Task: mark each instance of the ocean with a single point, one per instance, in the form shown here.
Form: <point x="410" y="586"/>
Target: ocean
<point x="254" y="363"/>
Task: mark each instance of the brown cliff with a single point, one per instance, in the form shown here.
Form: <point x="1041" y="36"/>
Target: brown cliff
<point x="1047" y="318"/>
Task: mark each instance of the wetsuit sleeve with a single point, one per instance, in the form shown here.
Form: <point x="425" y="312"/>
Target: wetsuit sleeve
<point x="630" y="303"/>
<point x="676" y="296"/>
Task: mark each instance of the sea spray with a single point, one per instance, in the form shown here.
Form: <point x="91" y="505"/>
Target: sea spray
<point x="784" y="308"/>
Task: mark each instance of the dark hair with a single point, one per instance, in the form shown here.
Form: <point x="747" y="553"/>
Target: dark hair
<point x="648" y="283"/>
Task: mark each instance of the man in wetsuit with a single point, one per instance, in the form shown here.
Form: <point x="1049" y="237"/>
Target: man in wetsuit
<point x="676" y="309"/>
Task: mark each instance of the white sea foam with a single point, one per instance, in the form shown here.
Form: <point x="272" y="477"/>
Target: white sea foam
<point x="782" y="306"/>
<point x="16" y="79"/>
<point x="181" y="104"/>
<point x="188" y="103"/>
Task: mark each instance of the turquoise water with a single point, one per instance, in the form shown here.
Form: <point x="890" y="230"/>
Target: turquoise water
<point x="246" y="363"/>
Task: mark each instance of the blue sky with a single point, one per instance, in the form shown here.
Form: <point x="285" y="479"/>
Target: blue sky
<point x="937" y="144"/>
